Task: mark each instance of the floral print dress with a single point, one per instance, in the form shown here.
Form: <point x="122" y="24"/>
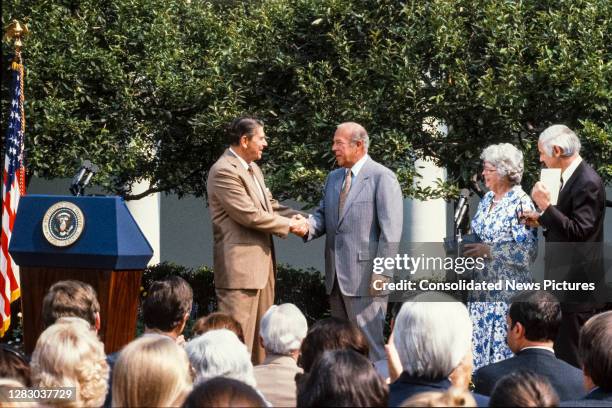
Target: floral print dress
<point x="513" y="250"/>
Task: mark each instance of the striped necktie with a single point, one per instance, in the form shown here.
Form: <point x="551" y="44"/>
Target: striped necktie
<point x="348" y="178"/>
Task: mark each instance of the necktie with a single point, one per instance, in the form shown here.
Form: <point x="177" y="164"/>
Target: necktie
<point x="561" y="185"/>
<point x="259" y="189"/>
<point x="345" y="191"/>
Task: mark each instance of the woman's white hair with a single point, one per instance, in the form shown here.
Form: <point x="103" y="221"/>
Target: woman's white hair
<point x="219" y="353"/>
<point x="432" y="334"/>
<point x="561" y="136"/>
<point x="507" y="159"/>
<point x="283" y="328"/>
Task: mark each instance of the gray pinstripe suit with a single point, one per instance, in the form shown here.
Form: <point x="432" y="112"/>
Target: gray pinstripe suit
<point x="370" y="226"/>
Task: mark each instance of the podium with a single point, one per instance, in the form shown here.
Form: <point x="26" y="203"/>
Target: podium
<point x="91" y="239"/>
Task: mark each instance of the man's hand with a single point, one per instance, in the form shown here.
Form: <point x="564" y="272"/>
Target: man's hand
<point x="540" y="195"/>
<point x="298" y="225"/>
<point x="380" y="280"/>
<point x="530" y="219"/>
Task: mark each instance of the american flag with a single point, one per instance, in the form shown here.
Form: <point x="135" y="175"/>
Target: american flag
<point x="13" y="187"/>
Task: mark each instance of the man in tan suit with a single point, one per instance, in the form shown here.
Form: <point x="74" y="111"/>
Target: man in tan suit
<point x="244" y="216"/>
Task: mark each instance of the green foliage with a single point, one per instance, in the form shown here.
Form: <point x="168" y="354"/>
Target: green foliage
<point x="144" y="88"/>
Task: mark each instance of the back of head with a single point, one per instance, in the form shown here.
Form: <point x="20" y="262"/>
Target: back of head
<point x="70" y="298"/>
<point x="342" y="378"/>
<point x="539" y="312"/>
<point x="240" y="127"/>
<point x="561" y="136"/>
<point x="167" y="303"/>
<point x="220" y="353"/>
<point x="331" y="334"/>
<point x="216" y="321"/>
<point x="595" y="350"/>
<point x="223" y="392"/>
<point x="151" y="371"/>
<point x="14" y="365"/>
<point x="69" y="354"/>
<point x="283" y="328"/>
<point x="523" y="388"/>
<point x="453" y="397"/>
<point x="432" y="334"/>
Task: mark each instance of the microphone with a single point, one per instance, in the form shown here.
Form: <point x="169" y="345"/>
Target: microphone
<point x="461" y="205"/>
<point x="81" y="179"/>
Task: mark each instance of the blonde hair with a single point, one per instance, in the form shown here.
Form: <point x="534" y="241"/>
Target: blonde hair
<point x="151" y="371"/>
<point x="453" y="397"/>
<point x="69" y="354"/>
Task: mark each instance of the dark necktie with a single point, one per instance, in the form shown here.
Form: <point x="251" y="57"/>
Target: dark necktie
<point x="345" y="191"/>
<point x="561" y="185"/>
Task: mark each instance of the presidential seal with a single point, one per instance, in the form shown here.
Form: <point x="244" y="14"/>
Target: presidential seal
<point x="63" y="224"/>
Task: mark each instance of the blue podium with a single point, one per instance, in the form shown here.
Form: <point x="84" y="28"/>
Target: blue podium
<point x="92" y="239"/>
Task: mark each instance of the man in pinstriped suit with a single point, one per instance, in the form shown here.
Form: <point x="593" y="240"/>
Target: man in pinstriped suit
<point x="361" y="214"/>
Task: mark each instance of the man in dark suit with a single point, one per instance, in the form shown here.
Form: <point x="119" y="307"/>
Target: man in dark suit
<point x="595" y="350"/>
<point x="573" y="229"/>
<point x="533" y="323"/>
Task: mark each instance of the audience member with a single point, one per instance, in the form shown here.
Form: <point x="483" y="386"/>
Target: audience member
<point x="224" y="392"/>
<point x="151" y="372"/>
<point x="14" y="365"/>
<point x="282" y="330"/>
<point x="534" y="319"/>
<point x="7" y="386"/>
<point x="523" y="388"/>
<point x="71" y="298"/>
<point x="342" y="378"/>
<point x="215" y="321"/>
<point x="166" y="308"/>
<point x="69" y="354"/>
<point x="220" y="353"/>
<point x="595" y="351"/>
<point x="432" y="335"/>
<point x="453" y="397"/>
<point x="331" y="333"/>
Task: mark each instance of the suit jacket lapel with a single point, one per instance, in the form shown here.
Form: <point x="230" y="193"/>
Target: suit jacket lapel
<point x="358" y="184"/>
<point x="246" y="177"/>
<point x="259" y="175"/>
<point x="565" y="192"/>
<point x="335" y="196"/>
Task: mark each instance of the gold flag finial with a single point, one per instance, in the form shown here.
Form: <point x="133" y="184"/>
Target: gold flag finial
<point x="15" y="32"/>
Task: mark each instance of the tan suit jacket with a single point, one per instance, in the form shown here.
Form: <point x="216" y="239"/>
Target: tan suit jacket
<point x="276" y="380"/>
<point x="243" y="224"/>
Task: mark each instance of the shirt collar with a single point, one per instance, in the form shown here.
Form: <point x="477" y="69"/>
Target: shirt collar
<point x="570" y="170"/>
<point x="240" y="159"/>
<point x="539" y="347"/>
<point x="359" y="165"/>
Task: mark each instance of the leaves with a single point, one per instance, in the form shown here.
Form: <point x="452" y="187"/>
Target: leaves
<point x="145" y="88"/>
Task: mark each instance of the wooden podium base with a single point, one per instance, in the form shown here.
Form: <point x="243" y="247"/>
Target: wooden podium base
<point x="118" y="294"/>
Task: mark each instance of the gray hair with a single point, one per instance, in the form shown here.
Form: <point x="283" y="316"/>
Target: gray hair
<point x="507" y="159"/>
<point x="561" y="136"/>
<point x="357" y="132"/>
<point x="432" y="334"/>
<point x="283" y="328"/>
<point x="219" y="353"/>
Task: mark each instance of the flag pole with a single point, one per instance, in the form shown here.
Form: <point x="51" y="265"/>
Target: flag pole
<point x="14" y="184"/>
<point x="14" y="32"/>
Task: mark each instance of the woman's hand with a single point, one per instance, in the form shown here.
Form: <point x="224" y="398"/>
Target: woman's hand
<point x="477" y="250"/>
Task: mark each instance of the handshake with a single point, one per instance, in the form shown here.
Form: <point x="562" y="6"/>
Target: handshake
<point x="298" y="225"/>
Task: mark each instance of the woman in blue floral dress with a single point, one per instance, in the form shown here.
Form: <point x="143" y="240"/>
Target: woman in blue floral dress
<point x="508" y="247"/>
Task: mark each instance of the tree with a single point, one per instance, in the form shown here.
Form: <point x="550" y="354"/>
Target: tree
<point x="145" y="88"/>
